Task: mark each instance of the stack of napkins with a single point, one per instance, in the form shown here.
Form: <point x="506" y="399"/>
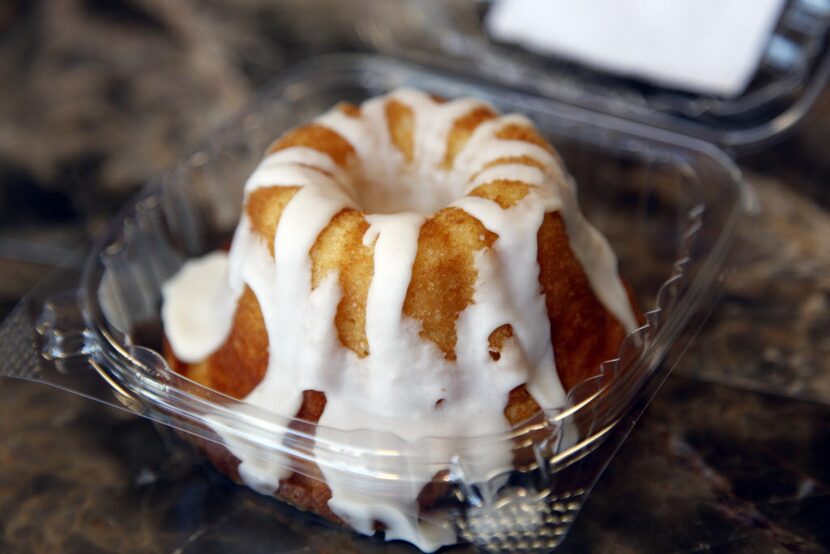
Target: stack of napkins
<point x="705" y="46"/>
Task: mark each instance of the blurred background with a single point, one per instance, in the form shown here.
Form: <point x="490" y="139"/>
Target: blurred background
<point x="99" y="96"/>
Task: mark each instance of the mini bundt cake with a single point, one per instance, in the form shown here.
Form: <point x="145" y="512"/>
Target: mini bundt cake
<point x="410" y="265"/>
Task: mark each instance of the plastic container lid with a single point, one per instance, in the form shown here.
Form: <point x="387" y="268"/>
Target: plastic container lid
<point x="792" y="72"/>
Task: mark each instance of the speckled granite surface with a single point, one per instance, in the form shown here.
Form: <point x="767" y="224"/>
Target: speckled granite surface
<point x="732" y="456"/>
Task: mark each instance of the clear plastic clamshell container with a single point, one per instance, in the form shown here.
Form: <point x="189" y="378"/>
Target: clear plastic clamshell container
<point x="669" y="205"/>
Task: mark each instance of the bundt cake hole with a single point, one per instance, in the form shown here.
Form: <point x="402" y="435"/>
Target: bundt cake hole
<point x="407" y="186"/>
<point x="417" y="189"/>
<point x="411" y="189"/>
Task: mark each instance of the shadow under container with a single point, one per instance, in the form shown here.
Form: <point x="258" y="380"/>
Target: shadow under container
<point x="669" y="205"/>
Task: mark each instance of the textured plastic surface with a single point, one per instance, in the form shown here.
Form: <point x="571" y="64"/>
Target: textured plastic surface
<point x="668" y="204"/>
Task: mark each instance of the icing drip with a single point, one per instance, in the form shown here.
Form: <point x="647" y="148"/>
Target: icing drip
<point x="405" y="386"/>
<point x="198" y="308"/>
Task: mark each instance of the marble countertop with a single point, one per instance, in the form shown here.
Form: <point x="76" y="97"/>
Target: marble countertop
<point x="731" y="456"/>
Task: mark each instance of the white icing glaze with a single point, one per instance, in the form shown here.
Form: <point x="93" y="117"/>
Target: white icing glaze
<point x="198" y="307"/>
<point x="398" y="386"/>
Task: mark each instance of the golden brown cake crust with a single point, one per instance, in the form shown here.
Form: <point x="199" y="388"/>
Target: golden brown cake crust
<point x="401" y="123"/>
<point x="339" y="248"/>
<point x="584" y="334"/>
<point x="319" y="138"/>
<point x="444" y="274"/>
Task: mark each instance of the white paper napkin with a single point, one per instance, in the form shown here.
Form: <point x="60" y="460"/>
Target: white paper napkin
<point x="707" y="46"/>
